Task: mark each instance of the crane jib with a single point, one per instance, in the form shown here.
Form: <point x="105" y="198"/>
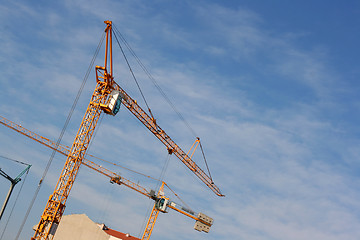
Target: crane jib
<point x="172" y="147"/>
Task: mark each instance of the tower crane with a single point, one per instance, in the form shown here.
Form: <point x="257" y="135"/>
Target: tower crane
<point x="162" y="203"/>
<point x="107" y="97"/>
<point x="203" y="222"/>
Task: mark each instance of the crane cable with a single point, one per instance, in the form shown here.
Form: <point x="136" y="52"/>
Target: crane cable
<point x="182" y="201"/>
<point x="14" y="160"/>
<point x="163" y="171"/>
<point x="159" y="182"/>
<point x="167" y="99"/>
<point x="132" y="73"/>
<point x="202" y="151"/>
<point x="62" y="133"/>
<point x="166" y="164"/>
<point x="123" y="167"/>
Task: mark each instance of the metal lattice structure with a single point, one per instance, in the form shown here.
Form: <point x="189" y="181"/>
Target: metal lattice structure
<point x="56" y="204"/>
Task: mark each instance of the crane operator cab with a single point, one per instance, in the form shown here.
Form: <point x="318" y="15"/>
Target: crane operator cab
<point x="113" y="102"/>
<point x="161" y="204"/>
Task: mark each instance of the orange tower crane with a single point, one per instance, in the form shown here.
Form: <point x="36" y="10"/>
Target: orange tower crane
<point x="56" y="204"/>
<point x="107" y="97"/>
<point x="203" y="222"/>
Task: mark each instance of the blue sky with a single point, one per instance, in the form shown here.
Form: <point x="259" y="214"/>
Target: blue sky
<point x="270" y="88"/>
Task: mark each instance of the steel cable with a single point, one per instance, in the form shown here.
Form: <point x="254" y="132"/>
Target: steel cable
<point x="167" y="99"/>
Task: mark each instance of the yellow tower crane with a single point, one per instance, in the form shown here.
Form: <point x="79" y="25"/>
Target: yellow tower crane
<point x="203" y="222"/>
<point x="107" y="97"/>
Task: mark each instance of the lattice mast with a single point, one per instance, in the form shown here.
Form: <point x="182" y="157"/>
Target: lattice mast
<point x="56" y="204"/>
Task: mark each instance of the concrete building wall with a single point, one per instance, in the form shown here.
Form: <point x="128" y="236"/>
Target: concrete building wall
<point x="114" y="238"/>
<point x="79" y="227"/>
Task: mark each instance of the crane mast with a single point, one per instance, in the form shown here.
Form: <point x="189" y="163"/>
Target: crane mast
<point x="152" y="219"/>
<point x="56" y="204"/>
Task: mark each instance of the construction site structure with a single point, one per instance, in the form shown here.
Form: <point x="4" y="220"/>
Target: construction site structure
<point x="107" y="97"/>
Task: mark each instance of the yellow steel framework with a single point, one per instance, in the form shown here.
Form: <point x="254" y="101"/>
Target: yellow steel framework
<point x="152" y="219"/>
<point x="98" y="103"/>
